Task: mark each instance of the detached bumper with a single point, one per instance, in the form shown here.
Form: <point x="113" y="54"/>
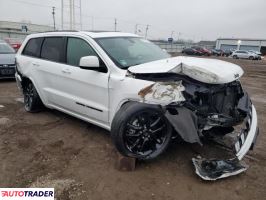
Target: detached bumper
<point x="214" y="169"/>
<point x="248" y="135"/>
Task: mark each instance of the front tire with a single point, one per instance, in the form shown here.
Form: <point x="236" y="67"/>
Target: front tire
<point x="141" y="131"/>
<point x="251" y="58"/>
<point x="32" y="101"/>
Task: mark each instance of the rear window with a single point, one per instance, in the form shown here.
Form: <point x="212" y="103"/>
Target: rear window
<point x="53" y="49"/>
<point x="33" y="47"/>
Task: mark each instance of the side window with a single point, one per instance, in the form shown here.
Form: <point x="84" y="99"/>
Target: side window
<point x="77" y="48"/>
<point x="33" y="47"/>
<point x="53" y="49"/>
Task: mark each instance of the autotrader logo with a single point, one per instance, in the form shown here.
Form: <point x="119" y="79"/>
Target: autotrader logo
<point x="27" y="193"/>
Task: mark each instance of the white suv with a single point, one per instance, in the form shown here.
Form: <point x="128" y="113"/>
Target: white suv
<point x="128" y="85"/>
<point x="246" y="55"/>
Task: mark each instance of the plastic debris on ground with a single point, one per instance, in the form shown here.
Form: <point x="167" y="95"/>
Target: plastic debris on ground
<point x="213" y="169"/>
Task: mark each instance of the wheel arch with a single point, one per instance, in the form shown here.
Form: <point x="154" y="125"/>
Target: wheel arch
<point x="25" y="80"/>
<point x="120" y="105"/>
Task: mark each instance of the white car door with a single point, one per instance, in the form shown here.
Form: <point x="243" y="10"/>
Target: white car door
<point x="83" y="91"/>
<point x="43" y="67"/>
<point x="48" y="68"/>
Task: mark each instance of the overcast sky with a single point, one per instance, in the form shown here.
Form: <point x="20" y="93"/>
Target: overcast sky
<point x="190" y="19"/>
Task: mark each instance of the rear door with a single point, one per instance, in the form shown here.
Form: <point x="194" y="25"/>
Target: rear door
<point x="49" y="68"/>
<point x="27" y="63"/>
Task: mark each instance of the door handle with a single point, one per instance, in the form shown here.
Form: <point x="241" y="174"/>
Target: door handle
<point x="66" y="71"/>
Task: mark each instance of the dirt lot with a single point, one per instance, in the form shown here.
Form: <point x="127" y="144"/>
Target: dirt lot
<point x="51" y="149"/>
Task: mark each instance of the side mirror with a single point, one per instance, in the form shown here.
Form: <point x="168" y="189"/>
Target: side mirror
<point x="89" y="62"/>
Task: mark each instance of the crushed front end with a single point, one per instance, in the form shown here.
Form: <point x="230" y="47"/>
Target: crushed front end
<point x="196" y="110"/>
<point x="222" y="109"/>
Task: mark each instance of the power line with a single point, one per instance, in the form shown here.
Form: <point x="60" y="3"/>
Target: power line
<point x="34" y="4"/>
<point x="93" y="18"/>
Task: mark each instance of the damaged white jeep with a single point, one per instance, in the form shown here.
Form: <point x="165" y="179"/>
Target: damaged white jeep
<point x="133" y="88"/>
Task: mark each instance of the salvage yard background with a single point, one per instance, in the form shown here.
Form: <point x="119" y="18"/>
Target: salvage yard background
<point x="51" y="149"/>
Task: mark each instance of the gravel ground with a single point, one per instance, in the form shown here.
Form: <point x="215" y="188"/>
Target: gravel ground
<point x="51" y="149"/>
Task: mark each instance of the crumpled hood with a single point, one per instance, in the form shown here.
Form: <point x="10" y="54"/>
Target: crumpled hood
<point x="205" y="70"/>
<point x="7" y="59"/>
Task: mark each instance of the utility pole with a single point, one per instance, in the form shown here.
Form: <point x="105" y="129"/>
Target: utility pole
<point x="115" y="24"/>
<point x="62" y="14"/>
<point x="136" y="28"/>
<point x="172" y="34"/>
<point x="92" y="23"/>
<point x="74" y="15"/>
<point x="53" y="13"/>
<point x="178" y="36"/>
<point x="71" y="14"/>
<point x="80" y="14"/>
<point x="146" y="33"/>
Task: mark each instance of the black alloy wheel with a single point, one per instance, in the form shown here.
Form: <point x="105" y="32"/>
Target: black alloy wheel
<point x="32" y="101"/>
<point x="141" y="131"/>
<point x="145" y="133"/>
<point x="28" y="96"/>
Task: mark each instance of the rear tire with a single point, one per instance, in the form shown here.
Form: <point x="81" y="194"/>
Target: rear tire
<point x="141" y="131"/>
<point x="32" y="101"/>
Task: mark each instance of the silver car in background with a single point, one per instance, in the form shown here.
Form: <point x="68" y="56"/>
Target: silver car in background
<point x="245" y="55"/>
<point x="7" y="60"/>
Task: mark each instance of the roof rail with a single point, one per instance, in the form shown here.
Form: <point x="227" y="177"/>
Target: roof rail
<point x="59" y="31"/>
<point x="99" y="31"/>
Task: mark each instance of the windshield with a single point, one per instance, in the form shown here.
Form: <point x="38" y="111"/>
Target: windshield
<point x="131" y="51"/>
<point x="5" y="48"/>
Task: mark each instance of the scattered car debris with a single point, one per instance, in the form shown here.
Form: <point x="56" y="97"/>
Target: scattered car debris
<point x="4" y="120"/>
<point x="211" y="170"/>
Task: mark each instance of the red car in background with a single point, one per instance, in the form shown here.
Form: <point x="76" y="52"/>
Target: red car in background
<point x="14" y="42"/>
<point x="203" y="51"/>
